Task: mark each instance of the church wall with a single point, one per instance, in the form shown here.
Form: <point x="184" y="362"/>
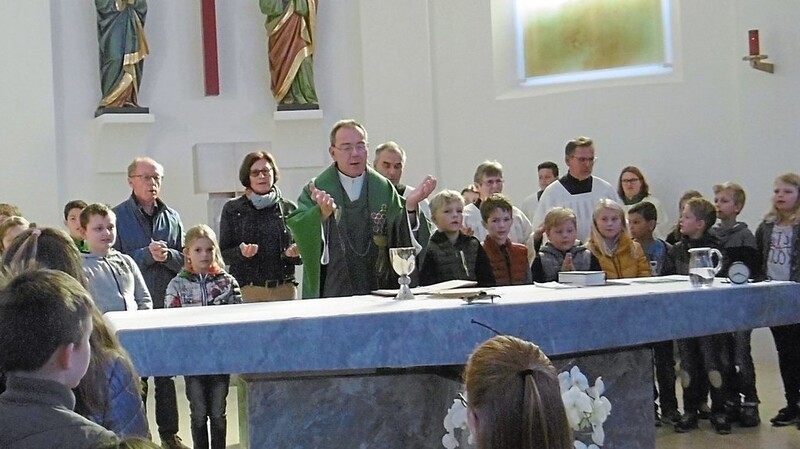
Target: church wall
<point x="29" y="167"/>
<point x="419" y="72"/>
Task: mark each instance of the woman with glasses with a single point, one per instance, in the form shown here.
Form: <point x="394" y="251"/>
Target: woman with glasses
<point x="514" y="397"/>
<point x="633" y="188"/>
<point x="254" y="239"/>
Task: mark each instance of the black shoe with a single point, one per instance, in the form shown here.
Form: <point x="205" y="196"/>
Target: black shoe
<point x="670" y="416"/>
<point x="172" y="442"/>
<point x="785" y="417"/>
<point x="721" y="424"/>
<point x="704" y="411"/>
<point x="748" y="416"/>
<point x="687" y="423"/>
<point x="734" y="412"/>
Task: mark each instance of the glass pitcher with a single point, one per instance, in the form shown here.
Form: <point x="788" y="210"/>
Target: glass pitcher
<point x="701" y="266"/>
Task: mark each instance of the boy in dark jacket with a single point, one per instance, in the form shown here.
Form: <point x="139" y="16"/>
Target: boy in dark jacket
<point x="642" y="220"/>
<point x="451" y="254"/>
<point x="739" y="244"/>
<point x="701" y="357"/>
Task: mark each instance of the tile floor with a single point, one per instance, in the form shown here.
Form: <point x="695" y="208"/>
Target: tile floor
<point x="765" y="436"/>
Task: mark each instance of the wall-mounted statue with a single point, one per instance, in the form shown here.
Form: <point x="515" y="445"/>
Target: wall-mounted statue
<point x="291" y="25"/>
<point x="123" y="47"/>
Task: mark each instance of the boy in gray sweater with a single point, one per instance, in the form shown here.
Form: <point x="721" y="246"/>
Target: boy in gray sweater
<point x="114" y="279"/>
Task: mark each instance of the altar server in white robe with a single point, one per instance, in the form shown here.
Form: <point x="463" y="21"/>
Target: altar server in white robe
<point x="578" y="189"/>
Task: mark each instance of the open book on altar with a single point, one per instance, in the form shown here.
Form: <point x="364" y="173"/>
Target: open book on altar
<point x="430" y="289"/>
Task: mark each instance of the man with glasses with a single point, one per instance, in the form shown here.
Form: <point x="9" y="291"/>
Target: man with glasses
<point x="348" y="217"/>
<point x="152" y="234"/>
<point x="578" y="189"/>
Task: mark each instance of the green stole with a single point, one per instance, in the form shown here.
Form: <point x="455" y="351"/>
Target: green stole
<point x="306" y="225"/>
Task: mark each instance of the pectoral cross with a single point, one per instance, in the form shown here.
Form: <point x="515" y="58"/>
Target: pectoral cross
<point x="210" y="57"/>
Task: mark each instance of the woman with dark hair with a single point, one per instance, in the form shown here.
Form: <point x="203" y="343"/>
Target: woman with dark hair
<point x="109" y="394"/>
<point x="253" y="236"/>
<point x="632" y="188"/>
<point x="514" y="397"/>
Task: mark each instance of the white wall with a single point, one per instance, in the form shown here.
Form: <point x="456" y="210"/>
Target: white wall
<point x="29" y="173"/>
<point x="419" y="72"/>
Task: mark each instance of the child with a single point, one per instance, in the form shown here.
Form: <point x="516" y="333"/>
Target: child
<point x="45" y="355"/>
<point x="470" y="194"/>
<point x="109" y="394"/>
<point x="10" y="228"/>
<point x="9" y="210"/>
<point x="113" y="278"/>
<point x="675" y="235"/>
<point x="451" y="254"/>
<point x="509" y="260"/>
<point x="514" y="397"/>
<point x="562" y="252"/>
<point x="740" y="245"/>
<point x="778" y="239"/>
<point x="204" y="282"/>
<point x="701" y="357"/>
<point x="72" y="220"/>
<point x="738" y="241"/>
<point x="619" y="256"/>
<point x="642" y="218"/>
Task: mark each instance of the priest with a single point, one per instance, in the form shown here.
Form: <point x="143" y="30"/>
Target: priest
<point x="349" y="216"/>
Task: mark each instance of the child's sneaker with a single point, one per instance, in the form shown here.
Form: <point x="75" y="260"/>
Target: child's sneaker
<point x="671" y="416"/>
<point x="748" y="416"/>
<point x="720" y="423"/>
<point x="704" y="411"/>
<point x="784" y="417"/>
<point x="687" y="423"/>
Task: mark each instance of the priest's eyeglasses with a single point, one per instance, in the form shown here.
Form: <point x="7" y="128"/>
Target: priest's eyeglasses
<point x="358" y="148"/>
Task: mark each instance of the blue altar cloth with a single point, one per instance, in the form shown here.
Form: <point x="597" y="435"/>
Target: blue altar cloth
<point x="367" y="332"/>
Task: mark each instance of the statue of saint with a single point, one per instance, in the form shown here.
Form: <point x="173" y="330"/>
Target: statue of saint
<point x="123" y="47"/>
<point x="291" y="25"/>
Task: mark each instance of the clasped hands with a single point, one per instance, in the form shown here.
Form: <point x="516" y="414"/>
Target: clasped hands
<point x="251" y="249"/>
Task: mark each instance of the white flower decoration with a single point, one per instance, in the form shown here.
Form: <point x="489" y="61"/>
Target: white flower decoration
<point x="586" y="407"/>
<point x="573" y="378"/>
<point x="456" y="418"/>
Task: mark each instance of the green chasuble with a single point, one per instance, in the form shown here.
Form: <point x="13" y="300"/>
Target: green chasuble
<point x="307" y="227"/>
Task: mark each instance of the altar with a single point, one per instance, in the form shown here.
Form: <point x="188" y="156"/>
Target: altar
<point x="367" y="371"/>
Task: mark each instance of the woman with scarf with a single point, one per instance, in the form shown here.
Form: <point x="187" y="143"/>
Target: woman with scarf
<point x="254" y="239"/>
<point x="633" y="188"/>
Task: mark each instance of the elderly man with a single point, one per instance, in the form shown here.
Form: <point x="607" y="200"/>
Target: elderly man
<point x="578" y="189"/>
<point x="348" y="217"/>
<point x="152" y="234"/>
<point x="489" y="179"/>
<point x="390" y="159"/>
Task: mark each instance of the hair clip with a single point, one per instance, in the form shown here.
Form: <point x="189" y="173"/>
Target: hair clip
<point x="36" y="231"/>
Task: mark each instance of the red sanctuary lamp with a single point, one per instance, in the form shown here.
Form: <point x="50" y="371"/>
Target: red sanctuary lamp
<point x="755" y="57"/>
